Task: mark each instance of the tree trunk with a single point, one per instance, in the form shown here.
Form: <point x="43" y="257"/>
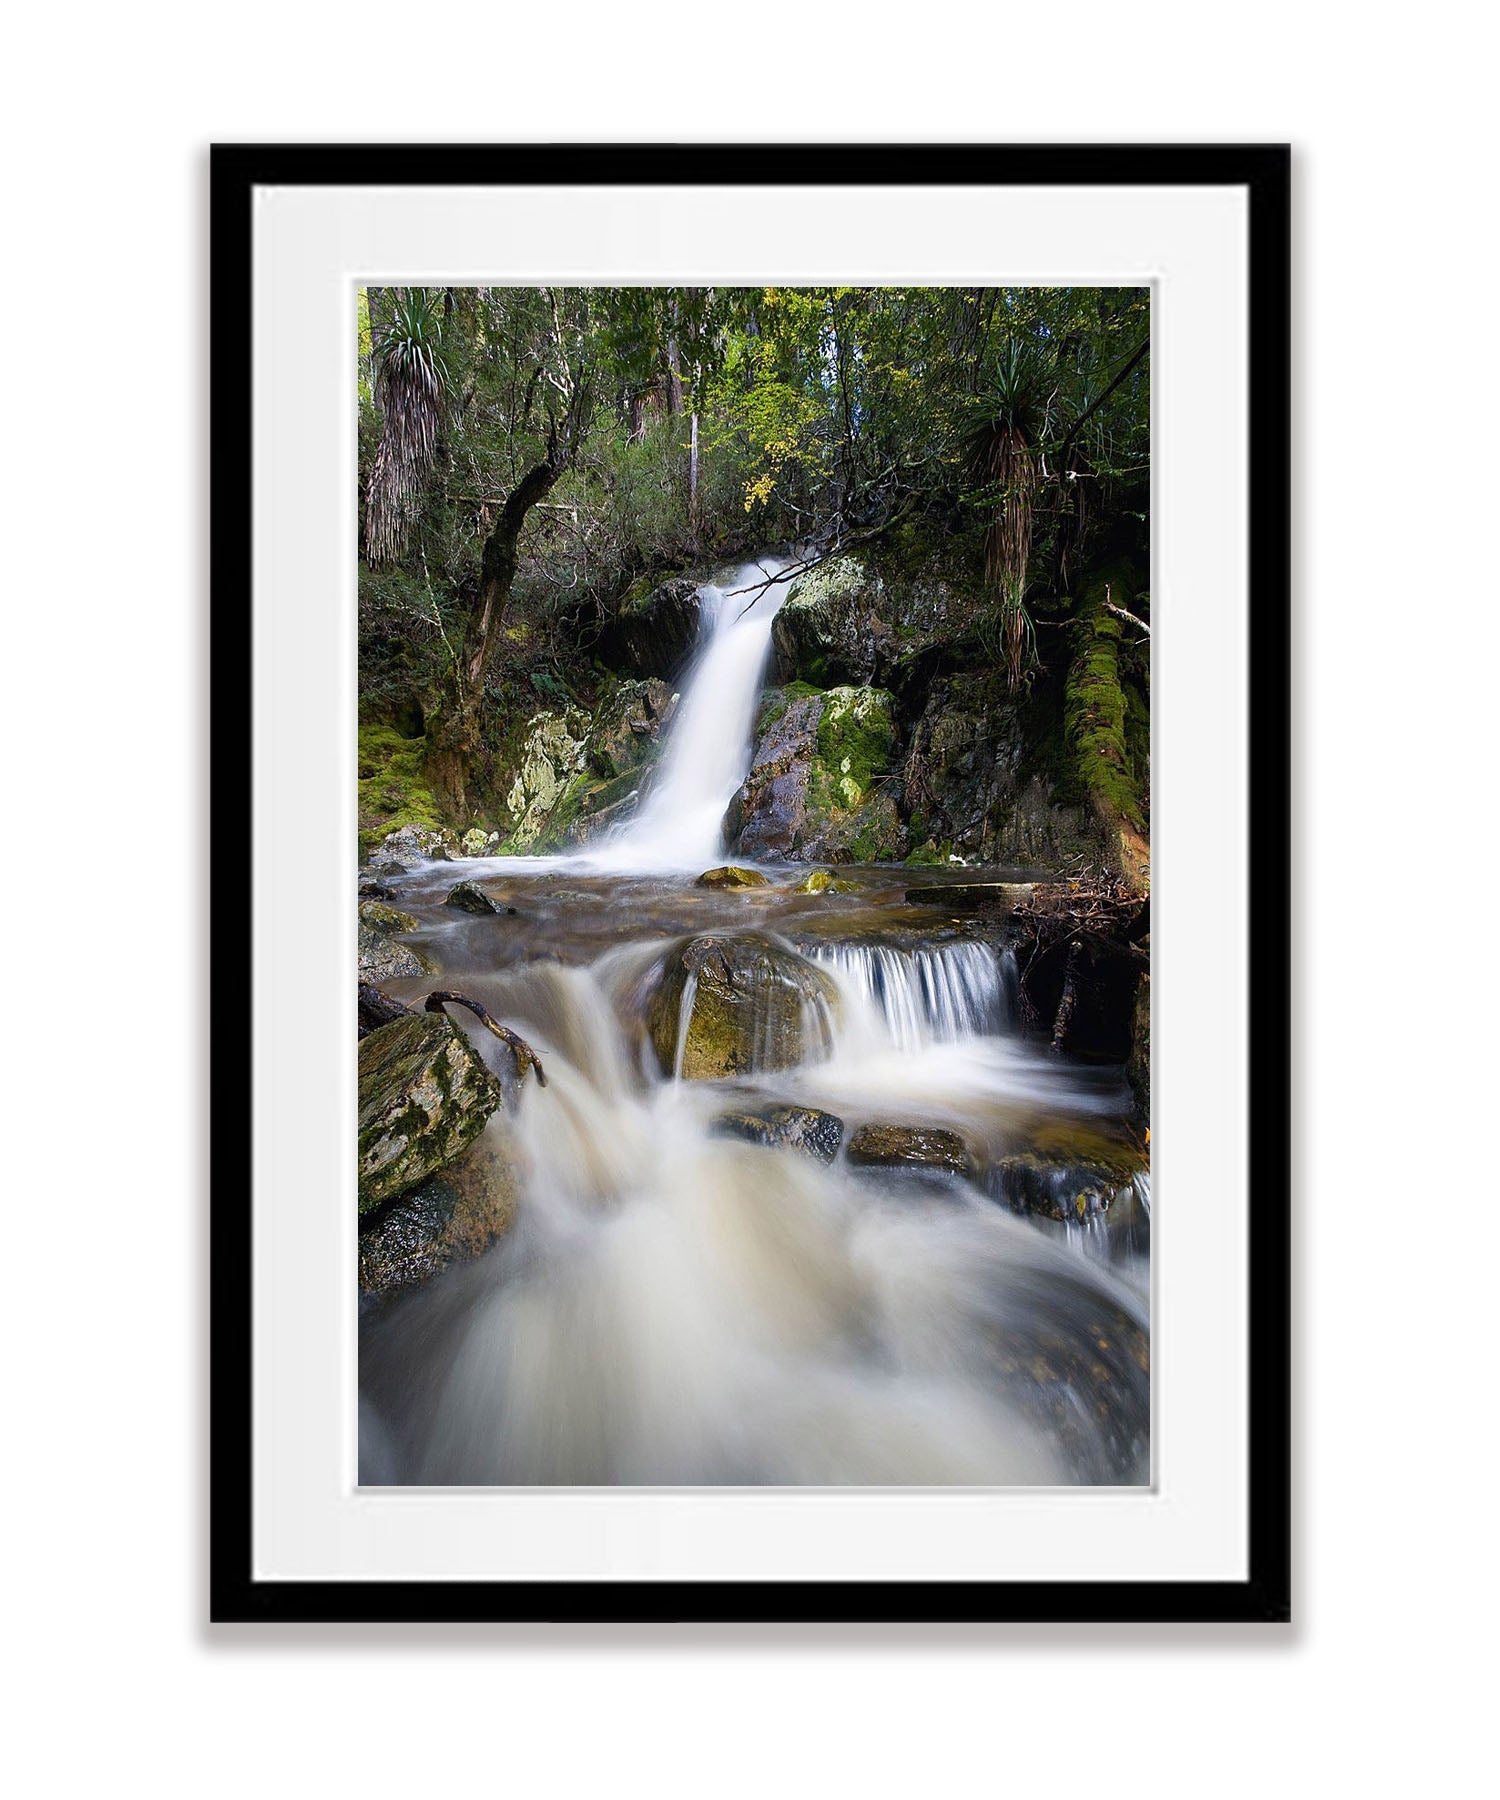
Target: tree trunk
<point x="693" y="481"/>
<point x="674" y="376"/>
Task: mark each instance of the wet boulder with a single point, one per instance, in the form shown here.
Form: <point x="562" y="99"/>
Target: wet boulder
<point x="816" y="789"/>
<point x="984" y="778"/>
<point x="731" y="876"/>
<point x="858" y="620"/>
<point x="655" y="628"/>
<point x="804" y="1128"/>
<point x="377" y="1009"/>
<point x="469" y="897"/>
<point x="1138" y="1063"/>
<point x="921" y="1147"/>
<point x="424" y="1096"/>
<point x="449" y="1218"/>
<point x="829" y="629"/>
<point x="732" y="1005"/>
<point x="821" y="882"/>
<point x="1070" y="1172"/>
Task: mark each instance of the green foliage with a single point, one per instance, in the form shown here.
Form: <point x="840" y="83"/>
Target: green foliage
<point x="993" y="423"/>
<point x="411" y="388"/>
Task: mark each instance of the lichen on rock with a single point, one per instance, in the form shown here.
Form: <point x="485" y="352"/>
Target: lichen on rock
<point x="424" y="1096"/>
<point x="554" y="757"/>
<point x="382" y="958"/>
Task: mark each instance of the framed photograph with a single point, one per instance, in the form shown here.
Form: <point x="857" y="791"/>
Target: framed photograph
<point x="750" y="782"/>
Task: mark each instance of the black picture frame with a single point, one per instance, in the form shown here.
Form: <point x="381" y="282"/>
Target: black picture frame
<point x="1263" y="171"/>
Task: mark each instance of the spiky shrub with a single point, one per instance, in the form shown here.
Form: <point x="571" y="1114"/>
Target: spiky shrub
<point x="411" y="388"/>
<point x="1004" y="450"/>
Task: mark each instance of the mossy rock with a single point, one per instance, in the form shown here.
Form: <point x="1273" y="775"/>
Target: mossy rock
<point x="730" y="875"/>
<point x="856" y="733"/>
<point x="821" y="882"/>
<point x="810" y="791"/>
<point x="1106" y="723"/>
<point x="388" y="919"/>
<point x="424" y="1096"/>
<point x="737" y="1005"/>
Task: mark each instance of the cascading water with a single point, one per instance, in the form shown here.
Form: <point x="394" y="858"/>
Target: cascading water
<point x="707" y="747"/>
<point x="675" y="1304"/>
<point x="926" y="995"/>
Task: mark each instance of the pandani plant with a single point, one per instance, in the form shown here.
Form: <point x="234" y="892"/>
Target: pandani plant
<point x="1004" y="449"/>
<point x="411" y="388"/>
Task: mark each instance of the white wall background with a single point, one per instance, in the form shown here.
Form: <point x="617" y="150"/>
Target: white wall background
<point x="1380" y="1686"/>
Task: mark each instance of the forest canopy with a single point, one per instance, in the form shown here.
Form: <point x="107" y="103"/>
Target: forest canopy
<point x="529" y="457"/>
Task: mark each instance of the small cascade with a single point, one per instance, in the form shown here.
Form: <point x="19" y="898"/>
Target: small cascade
<point x="928" y="994"/>
<point x="684" y="1020"/>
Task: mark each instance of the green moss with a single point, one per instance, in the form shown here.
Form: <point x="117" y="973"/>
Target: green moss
<point x="930" y="855"/>
<point x="393" y="789"/>
<point x="776" y="702"/>
<point x="1095" y="708"/>
<point x="607" y="793"/>
<point x="855" y="739"/>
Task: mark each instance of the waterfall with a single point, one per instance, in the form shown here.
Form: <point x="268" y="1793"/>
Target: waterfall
<point x="930" y="994"/>
<point x="707" y="747"/>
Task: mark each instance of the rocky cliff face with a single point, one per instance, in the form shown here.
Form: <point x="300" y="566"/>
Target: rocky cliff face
<point x="655" y="629"/>
<point x="579" y="773"/>
<point x="1055" y="776"/>
<point x="820" y="786"/>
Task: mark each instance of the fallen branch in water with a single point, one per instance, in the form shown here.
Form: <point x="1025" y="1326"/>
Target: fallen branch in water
<point x="525" y="1057"/>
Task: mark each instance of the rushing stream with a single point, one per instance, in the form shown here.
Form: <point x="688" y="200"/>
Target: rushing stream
<point x="677" y="1305"/>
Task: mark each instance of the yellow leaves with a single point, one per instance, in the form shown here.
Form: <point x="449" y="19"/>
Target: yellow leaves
<point x="759" y="490"/>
